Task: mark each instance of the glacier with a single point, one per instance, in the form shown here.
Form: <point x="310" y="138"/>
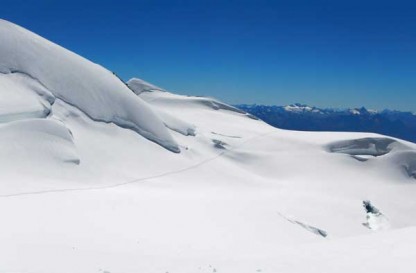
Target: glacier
<point x="98" y="175"/>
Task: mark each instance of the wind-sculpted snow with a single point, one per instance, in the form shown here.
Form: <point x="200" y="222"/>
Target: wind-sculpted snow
<point x="163" y="101"/>
<point x="365" y="146"/>
<point x="138" y="86"/>
<point x="407" y="161"/>
<point x="79" y="82"/>
<point x="177" y="124"/>
<point x="166" y="99"/>
<point x="401" y="156"/>
<point x="36" y="142"/>
<point x="94" y="197"/>
<point x="22" y="97"/>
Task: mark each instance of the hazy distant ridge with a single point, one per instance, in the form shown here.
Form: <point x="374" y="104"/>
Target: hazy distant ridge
<point x="308" y="118"/>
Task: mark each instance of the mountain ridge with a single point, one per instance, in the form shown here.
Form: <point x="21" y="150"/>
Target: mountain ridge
<point x="400" y="124"/>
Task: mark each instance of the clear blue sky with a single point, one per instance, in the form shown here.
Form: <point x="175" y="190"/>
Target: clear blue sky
<point x="325" y="53"/>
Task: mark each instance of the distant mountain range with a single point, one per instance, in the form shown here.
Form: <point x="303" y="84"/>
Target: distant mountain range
<point x="308" y="118"/>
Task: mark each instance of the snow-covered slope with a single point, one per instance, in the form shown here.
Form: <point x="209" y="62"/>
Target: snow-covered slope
<point x="138" y="86"/>
<point x="79" y="82"/>
<point x="78" y="195"/>
<point x="22" y="97"/>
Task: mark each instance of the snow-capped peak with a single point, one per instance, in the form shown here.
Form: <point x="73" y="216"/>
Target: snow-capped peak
<point x="298" y="107"/>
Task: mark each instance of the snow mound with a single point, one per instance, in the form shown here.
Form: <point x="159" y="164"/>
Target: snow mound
<point x="138" y="86"/>
<point x="170" y="100"/>
<point x="395" y="153"/>
<point x="167" y="105"/>
<point x="79" y="82"/>
<point x="370" y="146"/>
<point x="176" y="124"/>
<point x="406" y="160"/>
<point x="36" y="141"/>
<point x="23" y="97"/>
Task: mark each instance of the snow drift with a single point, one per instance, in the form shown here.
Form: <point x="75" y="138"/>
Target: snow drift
<point x="22" y="97"/>
<point x="169" y="100"/>
<point x="366" y="146"/>
<point x="79" y="82"/>
<point x="138" y="86"/>
<point x="35" y="141"/>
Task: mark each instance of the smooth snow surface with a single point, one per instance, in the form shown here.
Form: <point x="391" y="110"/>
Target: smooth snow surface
<point x="35" y="142"/>
<point x="79" y="195"/>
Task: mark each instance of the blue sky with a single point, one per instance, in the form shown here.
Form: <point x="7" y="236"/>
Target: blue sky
<point x="324" y="53"/>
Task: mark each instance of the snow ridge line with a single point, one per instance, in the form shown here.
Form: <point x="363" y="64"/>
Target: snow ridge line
<point x="139" y="180"/>
<point x="121" y="122"/>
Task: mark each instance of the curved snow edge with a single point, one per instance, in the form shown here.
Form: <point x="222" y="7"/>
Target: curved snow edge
<point x="80" y="82"/>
